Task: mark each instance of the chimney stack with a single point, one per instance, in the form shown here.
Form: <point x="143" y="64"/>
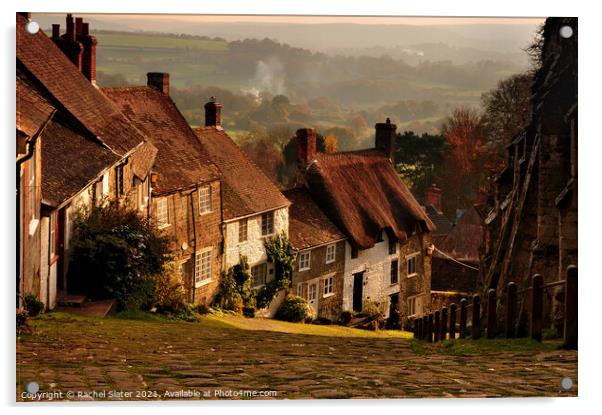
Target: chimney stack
<point x="89" y="54"/>
<point x="433" y="196"/>
<point x="306" y="146"/>
<point x="70" y="35"/>
<point x="213" y="113"/>
<point x="78" y="25"/>
<point x="56" y="31"/>
<point x="67" y="42"/>
<point x="159" y="81"/>
<point x="385" y="138"/>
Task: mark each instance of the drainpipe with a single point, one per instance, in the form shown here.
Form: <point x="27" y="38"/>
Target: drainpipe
<point x="193" y="284"/>
<point x="30" y="147"/>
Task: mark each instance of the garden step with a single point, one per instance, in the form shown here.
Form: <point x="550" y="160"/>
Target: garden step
<point x="71" y="300"/>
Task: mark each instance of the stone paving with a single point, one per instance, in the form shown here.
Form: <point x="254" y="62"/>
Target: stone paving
<point x="128" y="359"/>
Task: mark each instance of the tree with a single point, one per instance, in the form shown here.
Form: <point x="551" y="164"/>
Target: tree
<point x="116" y="254"/>
<point x="465" y="163"/>
<point x="507" y="111"/>
<point x="330" y="143"/>
<point x="419" y="159"/>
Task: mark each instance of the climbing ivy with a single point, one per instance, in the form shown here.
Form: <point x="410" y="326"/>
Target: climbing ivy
<point x="235" y="288"/>
<point x="280" y="252"/>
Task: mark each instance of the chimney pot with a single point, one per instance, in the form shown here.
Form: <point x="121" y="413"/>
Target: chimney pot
<point x="159" y="81"/>
<point x="85" y="29"/>
<point x="213" y="113"/>
<point x="306" y="146"/>
<point x="385" y="138"/>
<point x="56" y="31"/>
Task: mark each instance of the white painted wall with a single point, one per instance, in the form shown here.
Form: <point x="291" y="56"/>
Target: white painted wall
<point x="253" y="247"/>
<point x="376" y="261"/>
<point x="47" y="271"/>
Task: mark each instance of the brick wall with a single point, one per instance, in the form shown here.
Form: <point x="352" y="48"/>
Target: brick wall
<point x="418" y="286"/>
<point x="187" y="227"/>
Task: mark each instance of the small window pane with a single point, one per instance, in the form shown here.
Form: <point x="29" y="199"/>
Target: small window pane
<point x="203" y="266"/>
<point x="242" y="230"/>
<point x="394" y="272"/>
<point x="331" y="251"/>
<point x="267" y="223"/>
<point x="205" y="199"/>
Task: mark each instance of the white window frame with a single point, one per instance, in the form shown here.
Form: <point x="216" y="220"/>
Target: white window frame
<point x="162" y="212"/>
<point x="328" y="290"/>
<point x="243" y="224"/>
<point x="205" y="200"/>
<point x="304" y="261"/>
<point x="264" y="266"/>
<point x="331" y="253"/>
<point x="267" y="222"/>
<point x="203" y="267"/>
<point x="412" y="257"/>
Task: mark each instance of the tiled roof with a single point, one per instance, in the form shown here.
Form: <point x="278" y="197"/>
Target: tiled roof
<point x="73" y="91"/>
<point x="464" y="239"/>
<point x="441" y="222"/>
<point x="181" y="161"/>
<point x="308" y="225"/>
<point x="71" y="156"/>
<point x="245" y="188"/>
<point x="33" y="110"/>
<point x="70" y="161"/>
<point x="362" y="194"/>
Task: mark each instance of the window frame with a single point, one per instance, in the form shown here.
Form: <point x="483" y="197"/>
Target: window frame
<point x="267" y="223"/>
<point x="411" y="303"/>
<point x="244" y="222"/>
<point x="394" y="272"/>
<point x="201" y="268"/>
<point x="412" y="257"/>
<point x="328" y="289"/>
<point x="302" y="255"/>
<point x="204" y="199"/>
<point x="334" y="253"/>
<point x="162" y="224"/>
<point x="264" y="266"/>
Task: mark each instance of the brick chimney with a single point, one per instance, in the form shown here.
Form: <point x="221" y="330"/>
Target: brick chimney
<point x="213" y="113"/>
<point x="89" y="54"/>
<point x="433" y="196"/>
<point x="385" y="138"/>
<point x="159" y="81"/>
<point x="68" y="43"/>
<point x="306" y="147"/>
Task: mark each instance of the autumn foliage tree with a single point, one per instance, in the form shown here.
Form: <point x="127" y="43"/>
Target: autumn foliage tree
<point x="466" y="161"/>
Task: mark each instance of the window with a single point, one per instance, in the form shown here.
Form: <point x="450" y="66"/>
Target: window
<point x="411" y="306"/>
<point x="331" y="253"/>
<point x="394" y="271"/>
<point x="259" y="273"/>
<point x="97" y="193"/>
<point x="119" y="181"/>
<point x="328" y="286"/>
<point x="300" y="290"/>
<point x="412" y="265"/>
<point x="142" y="194"/>
<point x="162" y="212"/>
<point x="267" y="223"/>
<point x="304" y="260"/>
<point x="311" y="296"/>
<point x="202" y="266"/>
<point x="242" y="230"/>
<point x="205" y="199"/>
<point x="392" y="246"/>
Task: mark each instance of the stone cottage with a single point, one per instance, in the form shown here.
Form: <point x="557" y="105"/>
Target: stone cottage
<point x="318" y="275"/>
<point x="253" y="208"/>
<point x="90" y="152"/>
<point x="186" y="191"/>
<point x="387" y="250"/>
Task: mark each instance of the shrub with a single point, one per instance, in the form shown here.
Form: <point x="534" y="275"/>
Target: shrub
<point x="33" y="305"/>
<point x="346" y="317"/>
<point x="371" y="308"/>
<point x="235" y="288"/>
<point x="116" y="254"/>
<point x="169" y="291"/>
<point x="22" y="320"/>
<point x="294" y="309"/>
